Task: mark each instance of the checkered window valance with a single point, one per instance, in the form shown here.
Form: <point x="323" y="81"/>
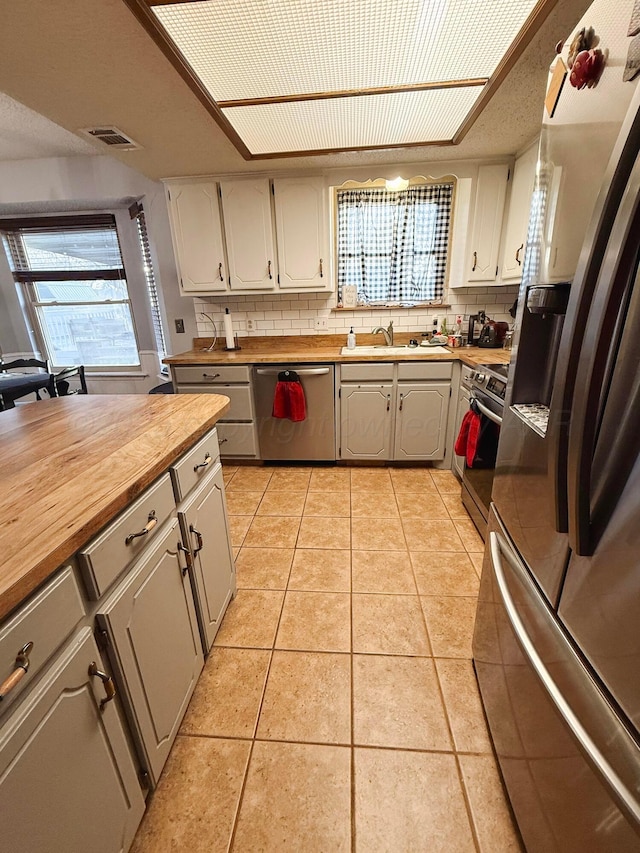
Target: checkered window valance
<point x="393" y="245"/>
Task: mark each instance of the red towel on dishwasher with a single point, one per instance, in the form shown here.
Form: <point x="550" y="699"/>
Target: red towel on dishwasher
<point x="289" y="400"/>
<point x="467" y="441"/>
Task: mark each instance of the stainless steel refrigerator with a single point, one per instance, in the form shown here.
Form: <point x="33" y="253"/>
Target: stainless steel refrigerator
<point x="557" y="638"/>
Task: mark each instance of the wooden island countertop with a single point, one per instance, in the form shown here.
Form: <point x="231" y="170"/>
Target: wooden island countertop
<point x="69" y="465"/>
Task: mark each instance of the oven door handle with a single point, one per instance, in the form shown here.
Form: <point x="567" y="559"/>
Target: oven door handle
<point x="487" y="412"/>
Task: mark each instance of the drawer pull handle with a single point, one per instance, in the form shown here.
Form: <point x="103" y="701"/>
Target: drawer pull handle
<point x="222" y="440"/>
<point x="22" y="665"/>
<point x="109" y="686"/>
<point x="518" y="261"/>
<point x="475" y="262"/>
<point x="207" y="461"/>
<point x="198" y="536"/>
<point x="210" y="375"/>
<point x="151" y="523"/>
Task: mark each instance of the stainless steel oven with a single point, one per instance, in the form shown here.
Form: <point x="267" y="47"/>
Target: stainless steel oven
<point x="488" y="389"/>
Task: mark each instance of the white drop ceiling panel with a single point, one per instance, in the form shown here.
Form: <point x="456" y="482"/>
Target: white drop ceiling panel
<point x="251" y="50"/>
<point x="372" y="120"/>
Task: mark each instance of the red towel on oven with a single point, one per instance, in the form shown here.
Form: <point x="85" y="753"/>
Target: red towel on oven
<point x="289" y="400"/>
<point x="467" y="441"/>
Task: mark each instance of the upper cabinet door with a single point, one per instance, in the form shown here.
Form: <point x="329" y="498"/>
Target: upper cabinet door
<point x="194" y="212"/>
<point x="524" y="175"/>
<point x="246" y="205"/>
<point x="303" y="234"/>
<point x="487" y="223"/>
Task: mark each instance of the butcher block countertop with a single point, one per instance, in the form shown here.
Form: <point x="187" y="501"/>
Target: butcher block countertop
<point x="323" y="348"/>
<point x="69" y="465"/>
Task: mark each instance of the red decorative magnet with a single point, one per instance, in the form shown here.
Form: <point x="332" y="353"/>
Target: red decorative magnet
<point x="587" y="68"/>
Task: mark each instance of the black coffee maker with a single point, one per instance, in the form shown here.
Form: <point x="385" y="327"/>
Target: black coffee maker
<point x="476" y="322"/>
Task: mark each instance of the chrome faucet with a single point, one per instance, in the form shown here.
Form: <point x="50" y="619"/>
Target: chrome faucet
<point x="388" y="333"/>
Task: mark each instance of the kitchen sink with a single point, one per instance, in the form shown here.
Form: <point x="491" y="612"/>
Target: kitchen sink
<point x="382" y="349"/>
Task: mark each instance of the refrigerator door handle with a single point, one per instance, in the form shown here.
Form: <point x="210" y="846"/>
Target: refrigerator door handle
<point x="571" y="346"/>
<point x="618" y="271"/>
<point x="499" y="547"/>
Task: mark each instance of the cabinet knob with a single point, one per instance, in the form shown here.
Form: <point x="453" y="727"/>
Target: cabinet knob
<point x="22" y="665"/>
<point x="109" y="686"/>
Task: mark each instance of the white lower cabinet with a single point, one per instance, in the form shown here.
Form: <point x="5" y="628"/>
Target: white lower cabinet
<point x="154" y="644"/>
<point x="366" y="421"/>
<point x="205" y="531"/>
<point x="394" y="412"/>
<point x="67" y="777"/>
<point x="421" y="421"/>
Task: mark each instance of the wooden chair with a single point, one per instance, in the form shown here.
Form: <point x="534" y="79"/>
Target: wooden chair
<point x="61" y="381"/>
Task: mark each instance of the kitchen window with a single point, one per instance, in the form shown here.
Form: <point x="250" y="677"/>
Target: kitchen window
<point x="74" y="284"/>
<point x="393" y="245"/>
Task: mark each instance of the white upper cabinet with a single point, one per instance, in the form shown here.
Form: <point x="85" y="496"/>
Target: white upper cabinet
<point x="486" y="225"/>
<point x="194" y="213"/>
<point x="303" y="234"/>
<point x="524" y="175"/>
<point x="249" y="234"/>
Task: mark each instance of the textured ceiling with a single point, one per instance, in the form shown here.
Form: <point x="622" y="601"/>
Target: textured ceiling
<point x="92" y="64"/>
<point x="25" y="134"/>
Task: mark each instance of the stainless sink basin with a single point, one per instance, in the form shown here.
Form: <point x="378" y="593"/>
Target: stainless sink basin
<point x="381" y="349"/>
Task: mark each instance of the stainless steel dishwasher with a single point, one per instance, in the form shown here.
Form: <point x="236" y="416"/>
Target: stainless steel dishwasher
<point x="310" y="439"/>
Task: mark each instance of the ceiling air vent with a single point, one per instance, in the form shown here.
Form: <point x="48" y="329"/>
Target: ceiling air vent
<point x="111" y="136"/>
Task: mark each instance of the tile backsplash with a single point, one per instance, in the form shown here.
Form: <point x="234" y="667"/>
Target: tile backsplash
<point x="296" y="313"/>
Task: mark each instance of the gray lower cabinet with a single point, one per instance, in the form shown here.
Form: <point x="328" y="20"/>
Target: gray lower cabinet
<point x="205" y="531"/>
<point x="421" y="421"/>
<point x="366" y="421"/>
<point x="67" y="777"/>
<point x="154" y="644"/>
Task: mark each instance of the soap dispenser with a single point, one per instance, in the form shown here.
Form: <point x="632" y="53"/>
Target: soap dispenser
<point x="351" y="339"/>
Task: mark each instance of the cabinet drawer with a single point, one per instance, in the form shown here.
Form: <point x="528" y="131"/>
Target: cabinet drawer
<point x="237" y="439"/>
<point x="426" y="372"/>
<point x="366" y="372"/>
<point x="46" y="620"/>
<point x="111" y="551"/>
<point x="189" y="470"/>
<point x="207" y="374"/>
<point x="239" y="395"/>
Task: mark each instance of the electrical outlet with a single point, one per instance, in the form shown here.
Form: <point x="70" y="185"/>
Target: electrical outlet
<point x="251" y="325"/>
<point x="321" y="323"/>
<point x="180" y="327"/>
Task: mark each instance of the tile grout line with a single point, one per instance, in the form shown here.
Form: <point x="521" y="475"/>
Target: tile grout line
<point x="352" y="787"/>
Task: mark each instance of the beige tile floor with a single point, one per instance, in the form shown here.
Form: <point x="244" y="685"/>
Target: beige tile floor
<point x="338" y="710"/>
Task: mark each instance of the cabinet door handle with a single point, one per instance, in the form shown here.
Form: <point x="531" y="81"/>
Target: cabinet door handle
<point x="207" y="461"/>
<point x="321" y="273"/>
<point x="518" y="261"/>
<point x="388" y="401"/>
<point x="187" y="554"/>
<point x="109" y="686"/>
<point x="151" y="523"/>
<point x="269" y="269"/>
<point x="475" y="262"/>
<point x="222" y="440"/>
<point x="210" y="375"/>
<point x="199" y="540"/>
<point x="220" y="276"/>
<point x="22" y="665"/>
<point x="401" y="398"/>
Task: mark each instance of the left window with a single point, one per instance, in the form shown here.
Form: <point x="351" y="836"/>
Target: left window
<point x="72" y="276"/>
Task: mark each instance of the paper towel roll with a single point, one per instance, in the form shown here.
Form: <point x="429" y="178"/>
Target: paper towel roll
<point x="228" y="330"/>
